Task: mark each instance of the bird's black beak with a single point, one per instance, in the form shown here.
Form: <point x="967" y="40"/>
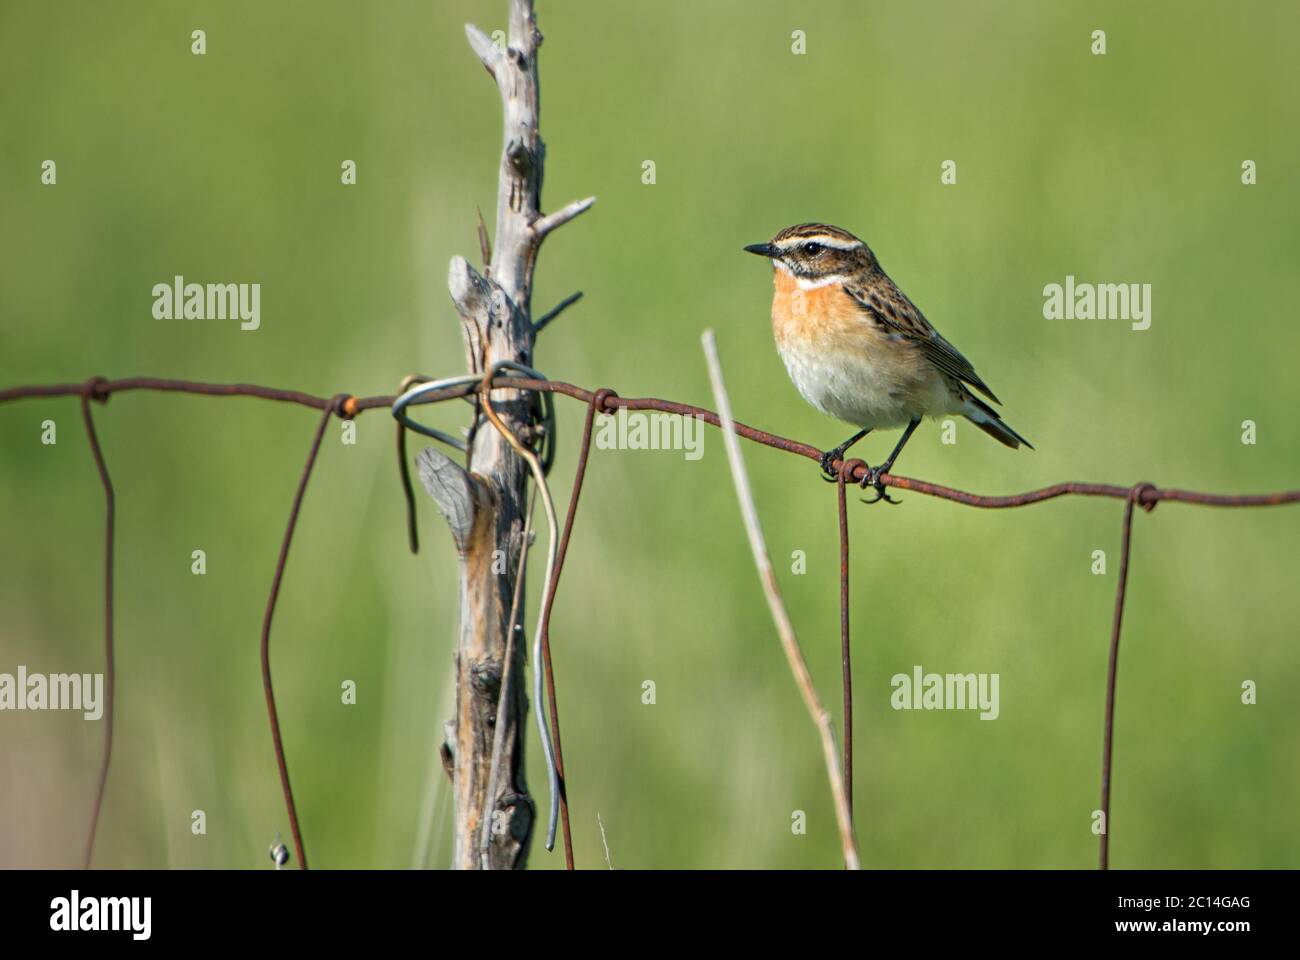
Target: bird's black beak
<point x="762" y="249"/>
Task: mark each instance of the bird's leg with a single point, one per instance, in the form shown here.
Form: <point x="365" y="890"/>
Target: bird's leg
<point x="830" y="456"/>
<point x="872" y="479"/>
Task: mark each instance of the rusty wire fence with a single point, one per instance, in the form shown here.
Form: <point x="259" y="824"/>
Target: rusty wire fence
<point x="602" y="401"/>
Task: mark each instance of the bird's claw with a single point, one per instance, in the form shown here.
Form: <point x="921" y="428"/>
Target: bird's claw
<point x="872" y="480"/>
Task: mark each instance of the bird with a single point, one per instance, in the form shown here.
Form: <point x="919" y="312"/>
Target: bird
<point x="859" y="350"/>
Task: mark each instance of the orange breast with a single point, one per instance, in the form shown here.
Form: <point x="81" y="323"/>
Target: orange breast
<point x="821" y="316"/>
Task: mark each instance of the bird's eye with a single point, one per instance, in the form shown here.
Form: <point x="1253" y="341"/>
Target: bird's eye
<point x="812" y="249"/>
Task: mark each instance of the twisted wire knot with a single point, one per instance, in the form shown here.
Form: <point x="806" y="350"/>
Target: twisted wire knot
<point x="600" y="400"/>
<point x="345" y="405"/>
<point x="848" y="468"/>
<point x="1140" y="490"/>
<point x="96" y="388"/>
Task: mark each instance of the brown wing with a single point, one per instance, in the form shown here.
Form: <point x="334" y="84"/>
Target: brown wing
<point x="893" y="312"/>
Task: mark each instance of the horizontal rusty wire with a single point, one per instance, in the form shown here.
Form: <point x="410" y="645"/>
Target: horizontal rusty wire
<point x="601" y="401"/>
<point x="1148" y="497"/>
<point x="103" y="388"/>
<point x="356" y="405"/>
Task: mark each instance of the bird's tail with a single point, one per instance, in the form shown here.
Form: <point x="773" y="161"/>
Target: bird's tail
<point x="986" y="418"/>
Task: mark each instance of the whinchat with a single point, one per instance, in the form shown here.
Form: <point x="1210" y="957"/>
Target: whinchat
<point x="859" y="350"/>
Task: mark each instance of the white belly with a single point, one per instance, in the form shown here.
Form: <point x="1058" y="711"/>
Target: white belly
<point x="859" y="390"/>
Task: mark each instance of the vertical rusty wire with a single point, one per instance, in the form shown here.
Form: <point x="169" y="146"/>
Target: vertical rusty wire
<point x="1112" y="667"/>
<point x="276" y="739"/>
<point x="94" y="389"/>
<point x="595" y="405"/>
<point x="846" y="661"/>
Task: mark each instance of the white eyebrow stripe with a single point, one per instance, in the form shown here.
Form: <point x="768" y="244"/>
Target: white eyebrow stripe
<point x="836" y="243"/>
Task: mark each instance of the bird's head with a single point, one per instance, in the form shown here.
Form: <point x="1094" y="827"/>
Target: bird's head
<point x="816" y="253"/>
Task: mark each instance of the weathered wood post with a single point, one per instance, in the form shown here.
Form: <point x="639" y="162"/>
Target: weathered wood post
<point x="484" y="501"/>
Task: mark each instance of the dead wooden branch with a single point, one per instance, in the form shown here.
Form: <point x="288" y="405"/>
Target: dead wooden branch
<point x="483" y="502"/>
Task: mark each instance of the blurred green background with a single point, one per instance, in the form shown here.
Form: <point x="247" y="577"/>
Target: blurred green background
<point x="225" y="167"/>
